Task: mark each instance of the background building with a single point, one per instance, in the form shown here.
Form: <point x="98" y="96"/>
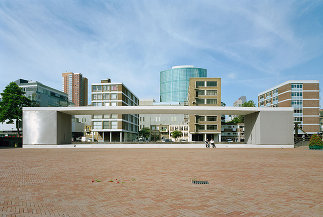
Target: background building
<point x="174" y="82"/>
<point x="162" y="125"/>
<point x="43" y="95"/>
<point x="233" y="132"/>
<point x="204" y="92"/>
<point x="240" y="101"/>
<point x="76" y="87"/>
<point x="303" y="95"/>
<point x="114" y="127"/>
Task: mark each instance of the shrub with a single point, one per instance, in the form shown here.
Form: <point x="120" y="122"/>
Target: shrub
<point x="316" y="142"/>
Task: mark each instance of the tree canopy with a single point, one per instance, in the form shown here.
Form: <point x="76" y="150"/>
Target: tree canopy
<point x="176" y="134"/>
<point x="144" y="132"/>
<point x="13" y="99"/>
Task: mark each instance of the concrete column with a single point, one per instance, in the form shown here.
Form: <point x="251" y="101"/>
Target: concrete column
<point x="92" y="136"/>
<point x="110" y="136"/>
<point x="103" y="135"/>
<point x="120" y="136"/>
<point x="219" y="137"/>
<point x="204" y="137"/>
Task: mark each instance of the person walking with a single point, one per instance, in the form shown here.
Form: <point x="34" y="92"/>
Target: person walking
<point x="207" y="145"/>
<point x="212" y="143"/>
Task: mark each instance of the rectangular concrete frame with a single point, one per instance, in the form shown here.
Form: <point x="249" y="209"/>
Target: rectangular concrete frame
<point x="53" y="125"/>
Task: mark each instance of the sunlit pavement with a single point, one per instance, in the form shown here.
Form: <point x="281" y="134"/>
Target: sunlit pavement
<point x="158" y="182"/>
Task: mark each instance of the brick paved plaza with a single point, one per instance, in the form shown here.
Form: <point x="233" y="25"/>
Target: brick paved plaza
<point x="157" y="182"/>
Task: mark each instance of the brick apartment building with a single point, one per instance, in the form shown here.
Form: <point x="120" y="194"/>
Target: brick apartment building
<point x="76" y="87"/>
<point x="303" y="95"/>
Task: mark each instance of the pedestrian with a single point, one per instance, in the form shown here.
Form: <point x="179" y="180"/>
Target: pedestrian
<point x="207" y="145"/>
<point x="212" y="143"/>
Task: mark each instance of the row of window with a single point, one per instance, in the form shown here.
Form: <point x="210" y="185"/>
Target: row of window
<point x="297" y="86"/>
<point x="206" y="127"/>
<point x="297" y="94"/>
<point x="104" y="96"/>
<point x="206" y="93"/>
<point x="298" y="119"/>
<point x="104" y="88"/>
<point x="112" y="103"/>
<point x="207" y="118"/>
<point x="206" y="101"/>
<point x="105" y="125"/>
<point x="206" y="84"/>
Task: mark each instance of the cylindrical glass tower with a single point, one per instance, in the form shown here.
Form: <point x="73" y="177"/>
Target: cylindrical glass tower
<point x="174" y="82"/>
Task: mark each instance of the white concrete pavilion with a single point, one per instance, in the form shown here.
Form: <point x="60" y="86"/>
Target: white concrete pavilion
<point x="53" y="125"/>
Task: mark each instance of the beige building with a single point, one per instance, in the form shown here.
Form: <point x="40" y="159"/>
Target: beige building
<point x="303" y="96"/>
<point x="76" y="87"/>
<point x="114" y="127"/>
<point x="231" y="132"/>
<point x="204" y="92"/>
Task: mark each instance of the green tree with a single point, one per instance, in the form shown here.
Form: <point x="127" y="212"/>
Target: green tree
<point x="13" y="99"/>
<point x="144" y="132"/>
<point x="175" y="134"/>
<point x="250" y="103"/>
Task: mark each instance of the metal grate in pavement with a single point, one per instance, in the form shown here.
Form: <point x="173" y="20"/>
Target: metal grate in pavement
<point x="200" y="182"/>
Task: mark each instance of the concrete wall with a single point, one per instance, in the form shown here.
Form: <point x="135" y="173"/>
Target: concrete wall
<point x="46" y="127"/>
<point x="40" y="127"/>
<point x="64" y="128"/>
<point x="270" y="128"/>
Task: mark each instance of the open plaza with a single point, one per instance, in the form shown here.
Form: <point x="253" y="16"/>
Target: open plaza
<point x="158" y="182"/>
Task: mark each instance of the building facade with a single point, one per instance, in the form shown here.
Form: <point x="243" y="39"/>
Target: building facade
<point x="204" y="92"/>
<point x="231" y="132"/>
<point x="114" y="127"/>
<point x="43" y="95"/>
<point x="162" y="125"/>
<point x="76" y="87"/>
<point x="303" y="96"/>
<point x="175" y="81"/>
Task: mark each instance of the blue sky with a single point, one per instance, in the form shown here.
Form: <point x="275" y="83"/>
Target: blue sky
<point x="251" y="45"/>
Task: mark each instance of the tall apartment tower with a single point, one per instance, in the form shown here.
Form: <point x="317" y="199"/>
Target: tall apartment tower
<point x="174" y="82"/>
<point x="204" y="92"/>
<point x="303" y="95"/>
<point x="76" y="87"/>
<point x="114" y="127"/>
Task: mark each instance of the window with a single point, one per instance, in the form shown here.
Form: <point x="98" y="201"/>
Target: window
<point x="97" y="125"/>
<point x="105" y="96"/>
<point x="211" y="101"/>
<point x="97" y="116"/>
<point x="200" y="92"/>
<point x="105" y="88"/>
<point x="106" y="116"/>
<point x="199" y="101"/>
<point x="99" y="96"/>
<point x="211" y="92"/>
<point x="113" y="103"/>
<point x="96" y="88"/>
<point x="94" y="97"/>
<point x="211" y="83"/>
<point x="114" y="116"/>
<point x="200" y="84"/>
<point x="212" y="127"/>
<point x="200" y="118"/>
<point x="298" y="119"/>
<point x="113" y="96"/>
<point x="211" y="118"/>
<point x="106" y="125"/>
<point x="114" y="87"/>
<point x="114" y="125"/>
<point x="200" y="127"/>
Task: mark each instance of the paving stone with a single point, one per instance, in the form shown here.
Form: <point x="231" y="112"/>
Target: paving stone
<point x="158" y="182"/>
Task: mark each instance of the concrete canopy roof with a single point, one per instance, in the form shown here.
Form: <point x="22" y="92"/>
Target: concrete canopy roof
<point x="196" y="110"/>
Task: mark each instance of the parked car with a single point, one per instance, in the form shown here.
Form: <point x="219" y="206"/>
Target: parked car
<point x="166" y="140"/>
